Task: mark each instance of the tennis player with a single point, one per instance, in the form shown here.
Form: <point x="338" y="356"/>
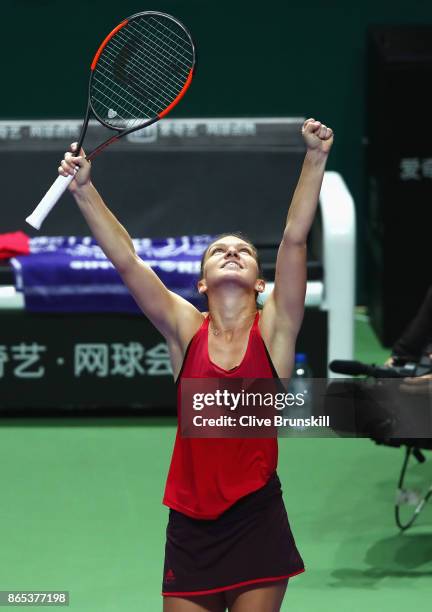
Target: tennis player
<point x="229" y="543"/>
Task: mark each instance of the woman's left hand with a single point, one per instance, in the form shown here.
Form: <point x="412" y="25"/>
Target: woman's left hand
<point x="318" y="137"/>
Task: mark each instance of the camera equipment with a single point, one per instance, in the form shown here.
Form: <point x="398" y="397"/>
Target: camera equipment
<point x="400" y="368"/>
<point x="378" y="416"/>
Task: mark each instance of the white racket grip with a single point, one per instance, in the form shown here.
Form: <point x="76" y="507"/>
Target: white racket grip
<point x="49" y="200"/>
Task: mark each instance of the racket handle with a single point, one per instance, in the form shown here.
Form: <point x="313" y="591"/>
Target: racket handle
<point x="49" y="200"/>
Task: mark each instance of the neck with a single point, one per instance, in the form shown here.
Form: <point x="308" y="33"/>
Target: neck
<point x="230" y="312"/>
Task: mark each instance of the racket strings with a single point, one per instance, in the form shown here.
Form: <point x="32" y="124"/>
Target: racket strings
<point x="158" y="67"/>
<point x="141" y="71"/>
<point x="136" y="89"/>
<point x="181" y="50"/>
<point x="132" y="106"/>
<point x="117" y="92"/>
<point x="152" y="76"/>
<point x="162" y="65"/>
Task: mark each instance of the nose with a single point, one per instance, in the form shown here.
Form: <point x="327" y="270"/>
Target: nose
<point x="231" y="251"/>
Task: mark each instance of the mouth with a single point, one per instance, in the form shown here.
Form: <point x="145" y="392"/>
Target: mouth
<point x="233" y="265"/>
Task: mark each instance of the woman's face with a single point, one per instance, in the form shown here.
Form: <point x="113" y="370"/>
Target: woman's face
<point x="230" y="259"/>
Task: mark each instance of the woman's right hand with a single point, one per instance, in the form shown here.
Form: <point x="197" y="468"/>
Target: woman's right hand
<point x="75" y="166"/>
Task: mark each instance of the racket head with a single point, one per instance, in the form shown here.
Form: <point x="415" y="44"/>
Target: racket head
<point x="141" y="71"/>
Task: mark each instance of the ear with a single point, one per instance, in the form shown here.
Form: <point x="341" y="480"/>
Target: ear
<point x="260" y="285"/>
<point x="202" y="286"/>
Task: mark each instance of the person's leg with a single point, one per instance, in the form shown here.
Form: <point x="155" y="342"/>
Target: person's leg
<point x="262" y="598"/>
<point x="201" y="603"/>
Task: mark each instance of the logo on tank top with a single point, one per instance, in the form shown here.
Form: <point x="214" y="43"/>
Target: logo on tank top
<point x="169" y="576"/>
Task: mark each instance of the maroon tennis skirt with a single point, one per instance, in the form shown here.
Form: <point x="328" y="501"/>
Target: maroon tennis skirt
<point x="249" y="543"/>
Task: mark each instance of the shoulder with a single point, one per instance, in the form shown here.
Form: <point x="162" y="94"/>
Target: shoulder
<point x="188" y="324"/>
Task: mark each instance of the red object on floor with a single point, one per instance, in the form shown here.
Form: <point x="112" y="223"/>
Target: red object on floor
<point x="14" y="243"/>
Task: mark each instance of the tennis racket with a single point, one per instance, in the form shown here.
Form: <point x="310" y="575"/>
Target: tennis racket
<point x="139" y="73"/>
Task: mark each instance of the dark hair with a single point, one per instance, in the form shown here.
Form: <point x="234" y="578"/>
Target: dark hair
<point x="242" y="236"/>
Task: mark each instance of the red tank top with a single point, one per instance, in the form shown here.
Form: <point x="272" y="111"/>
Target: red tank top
<point x="208" y="475"/>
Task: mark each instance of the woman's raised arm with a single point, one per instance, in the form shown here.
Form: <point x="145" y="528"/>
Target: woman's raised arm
<point x="285" y="306"/>
<point x="168" y="312"/>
